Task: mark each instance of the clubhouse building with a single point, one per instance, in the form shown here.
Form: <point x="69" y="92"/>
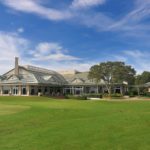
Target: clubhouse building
<point x="30" y="80"/>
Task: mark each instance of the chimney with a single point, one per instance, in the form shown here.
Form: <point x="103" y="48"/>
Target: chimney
<point x="16" y="66"/>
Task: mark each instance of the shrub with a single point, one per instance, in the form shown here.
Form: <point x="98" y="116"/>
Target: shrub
<point x="78" y="97"/>
<point x="94" y="95"/>
<point x="133" y="92"/>
<point x="115" y="95"/>
<point x="146" y="94"/>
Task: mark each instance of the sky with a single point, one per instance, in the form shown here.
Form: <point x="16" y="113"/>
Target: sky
<point x="74" y="34"/>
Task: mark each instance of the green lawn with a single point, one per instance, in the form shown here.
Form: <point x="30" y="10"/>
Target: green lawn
<point x="38" y="123"/>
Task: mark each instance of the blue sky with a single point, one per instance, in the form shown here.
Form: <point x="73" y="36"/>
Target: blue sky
<point x="74" y="34"/>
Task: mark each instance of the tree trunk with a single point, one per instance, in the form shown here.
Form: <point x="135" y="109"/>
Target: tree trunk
<point x="109" y="91"/>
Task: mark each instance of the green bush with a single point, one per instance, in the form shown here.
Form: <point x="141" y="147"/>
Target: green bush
<point x="133" y="92"/>
<point x="78" y="97"/>
<point x="146" y="94"/>
<point x="94" y="95"/>
<point x="115" y="95"/>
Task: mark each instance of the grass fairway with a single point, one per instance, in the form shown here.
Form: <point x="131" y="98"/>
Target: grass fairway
<point x="38" y="123"/>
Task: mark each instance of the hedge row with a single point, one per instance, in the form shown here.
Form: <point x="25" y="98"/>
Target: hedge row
<point x="147" y="94"/>
<point x="94" y="95"/>
<point x="113" y="96"/>
<point x="79" y="97"/>
<point x="86" y="96"/>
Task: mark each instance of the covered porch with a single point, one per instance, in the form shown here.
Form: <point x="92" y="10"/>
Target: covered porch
<point x="30" y="90"/>
<point x="92" y="89"/>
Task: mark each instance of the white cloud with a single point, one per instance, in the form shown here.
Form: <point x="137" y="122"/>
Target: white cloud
<point x="53" y="56"/>
<point x="70" y="65"/>
<point x="132" y="21"/>
<point x="120" y="58"/>
<point x="98" y="21"/>
<point x="20" y="30"/>
<point x="51" y="51"/>
<point x="136" y="53"/>
<point x="86" y="3"/>
<point x="46" y="47"/>
<point x="35" y="7"/>
<point x="91" y="19"/>
<point x="137" y="58"/>
<point x="11" y="45"/>
<point x="129" y="25"/>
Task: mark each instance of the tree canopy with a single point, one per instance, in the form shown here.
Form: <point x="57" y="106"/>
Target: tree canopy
<point x="143" y="78"/>
<point x="111" y="73"/>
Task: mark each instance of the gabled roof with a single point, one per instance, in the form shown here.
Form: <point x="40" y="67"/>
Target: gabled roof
<point x="80" y="79"/>
<point x="77" y="81"/>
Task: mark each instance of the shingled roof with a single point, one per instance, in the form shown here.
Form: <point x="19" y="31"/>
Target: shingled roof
<point x="35" y="75"/>
<point x="80" y="78"/>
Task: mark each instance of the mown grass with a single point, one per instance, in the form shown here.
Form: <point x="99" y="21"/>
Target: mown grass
<point x="39" y="123"/>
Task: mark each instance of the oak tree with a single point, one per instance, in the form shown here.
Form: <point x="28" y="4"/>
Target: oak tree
<point x="112" y="73"/>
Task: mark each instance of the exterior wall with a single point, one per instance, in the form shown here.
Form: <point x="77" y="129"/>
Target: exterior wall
<point x="17" y="90"/>
<point x="78" y="90"/>
<point x="26" y="90"/>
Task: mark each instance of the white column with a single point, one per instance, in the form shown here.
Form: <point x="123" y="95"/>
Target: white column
<point x="82" y="89"/>
<point x="19" y="90"/>
<point x="73" y="90"/>
<point x="1" y="90"/>
<point x="97" y="89"/>
<point x="10" y="92"/>
<point x="28" y="90"/>
<point x="121" y="90"/>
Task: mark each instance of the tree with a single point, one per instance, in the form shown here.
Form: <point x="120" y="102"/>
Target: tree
<point x="111" y="73"/>
<point x="143" y="78"/>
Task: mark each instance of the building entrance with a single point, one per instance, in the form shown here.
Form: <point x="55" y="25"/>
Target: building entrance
<point x="15" y="91"/>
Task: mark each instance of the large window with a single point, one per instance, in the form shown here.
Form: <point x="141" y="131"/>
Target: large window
<point x="45" y="90"/>
<point x="24" y="91"/>
<point x="32" y="92"/>
<point x="93" y="90"/>
<point x="6" y="89"/>
<point x="78" y="90"/>
<point x="15" y="90"/>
